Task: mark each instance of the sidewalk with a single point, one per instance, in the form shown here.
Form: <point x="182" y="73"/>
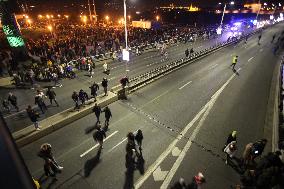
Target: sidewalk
<point x="57" y="121"/>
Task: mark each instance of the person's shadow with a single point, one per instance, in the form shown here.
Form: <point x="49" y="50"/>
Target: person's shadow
<point x="140" y="163"/>
<point x="129" y="173"/>
<point x="91" y="164"/>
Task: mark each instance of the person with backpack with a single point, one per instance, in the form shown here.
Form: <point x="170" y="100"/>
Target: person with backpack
<point x="99" y="136"/>
<point x="52" y="96"/>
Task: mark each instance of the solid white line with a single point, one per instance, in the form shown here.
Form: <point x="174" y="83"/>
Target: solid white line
<point x="193" y="136"/>
<point x="213" y="66"/>
<point x="82" y="155"/>
<point x="184" y="85"/>
<point x="250" y="59"/>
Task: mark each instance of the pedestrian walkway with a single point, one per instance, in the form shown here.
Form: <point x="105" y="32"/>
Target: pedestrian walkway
<point x="29" y="134"/>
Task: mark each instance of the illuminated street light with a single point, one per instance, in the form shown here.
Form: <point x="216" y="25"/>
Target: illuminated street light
<point x="51" y="16"/>
<point x="47" y="16"/>
<point x="265" y="4"/>
<point x="66" y="16"/>
<point x="129" y="17"/>
<point x="59" y="15"/>
<point x="39" y="16"/>
<point x="220" y="3"/>
<point x="29" y="21"/>
<point x="157" y="18"/>
<point x="107" y="18"/>
<point x="279" y="4"/>
<point x="232" y="2"/>
<point x="49" y="27"/>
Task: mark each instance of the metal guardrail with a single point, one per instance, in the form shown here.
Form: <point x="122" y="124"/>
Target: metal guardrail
<point x="150" y="75"/>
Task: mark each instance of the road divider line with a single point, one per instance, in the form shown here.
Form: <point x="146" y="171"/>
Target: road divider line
<point x="250" y="59"/>
<point x="213" y="66"/>
<point x="92" y="148"/>
<point x="185" y="85"/>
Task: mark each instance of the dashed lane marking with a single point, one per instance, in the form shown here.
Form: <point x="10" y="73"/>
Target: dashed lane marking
<point x="250" y="59"/>
<point x="185" y="85"/>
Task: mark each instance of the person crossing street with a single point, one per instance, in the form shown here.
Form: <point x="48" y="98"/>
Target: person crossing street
<point x="99" y="136"/>
<point x="97" y="109"/>
<point x="94" y="89"/>
<point x="105" y="85"/>
<point x="13" y="100"/>
<point x="40" y="101"/>
<point x="234" y="62"/>
<point x="51" y="95"/>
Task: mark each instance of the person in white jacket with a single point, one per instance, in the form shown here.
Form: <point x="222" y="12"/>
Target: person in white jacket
<point x="230" y="150"/>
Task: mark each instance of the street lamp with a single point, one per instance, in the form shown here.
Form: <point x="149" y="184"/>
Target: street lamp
<point x="107" y="18"/>
<point x="157" y="18"/>
<point x="232" y="2"/>
<point x="129" y="17"/>
<point x="49" y="27"/>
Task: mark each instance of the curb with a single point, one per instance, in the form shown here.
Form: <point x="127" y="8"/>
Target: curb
<point x="57" y="121"/>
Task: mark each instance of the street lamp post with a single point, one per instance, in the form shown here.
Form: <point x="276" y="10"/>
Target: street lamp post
<point x="126" y="37"/>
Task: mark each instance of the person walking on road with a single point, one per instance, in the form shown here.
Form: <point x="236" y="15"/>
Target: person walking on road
<point x="75" y="98"/>
<point x="105" y="85"/>
<point x="232" y="137"/>
<point x="83" y="96"/>
<point x="130" y="146"/>
<point x="13" y="100"/>
<point x="234" y="62"/>
<point x="40" y="102"/>
<point x="273" y="38"/>
<point x="230" y="151"/>
<point x="108" y="115"/>
<point x="6" y="105"/>
<point x="97" y="109"/>
<point x="197" y="181"/>
<point x="94" y="89"/>
<point x="186" y="52"/>
<point x="106" y="69"/>
<point x="51" y="95"/>
<point x="247" y="155"/>
<point x="259" y="38"/>
<point x="33" y="115"/>
<point x="50" y="163"/>
<point x="191" y="52"/>
<point x="99" y="136"/>
<point x="139" y="138"/>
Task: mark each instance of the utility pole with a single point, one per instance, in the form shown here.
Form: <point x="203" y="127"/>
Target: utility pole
<point x="95" y="12"/>
<point x="90" y="10"/>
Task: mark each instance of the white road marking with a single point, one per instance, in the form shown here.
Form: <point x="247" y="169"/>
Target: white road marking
<point x="163" y="156"/>
<point x="121" y="142"/>
<point x="213" y="66"/>
<point x="184" y="85"/>
<point x="175" y="152"/>
<point x="112" y="78"/>
<point x="250" y="59"/>
<point x="194" y="134"/>
<point x="85" y="153"/>
<point x="159" y="175"/>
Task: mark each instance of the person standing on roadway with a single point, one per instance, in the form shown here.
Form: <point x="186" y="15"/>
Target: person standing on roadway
<point x="99" y="136"/>
<point x="97" y="109"/>
<point x="234" y="62"/>
<point x="139" y="137"/>
<point x="105" y="85"/>
<point x="51" y="95"/>
<point x="75" y="98"/>
<point x="33" y="115"/>
<point x="259" y="38"/>
<point x="94" y="88"/>
<point x="13" y="100"/>
<point x="40" y="102"/>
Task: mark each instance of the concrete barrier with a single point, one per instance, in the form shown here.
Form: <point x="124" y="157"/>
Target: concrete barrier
<point x="57" y="121"/>
<point x="5" y="81"/>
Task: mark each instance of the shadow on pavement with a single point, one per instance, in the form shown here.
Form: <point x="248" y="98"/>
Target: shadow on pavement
<point x="91" y="164"/>
<point x="131" y="165"/>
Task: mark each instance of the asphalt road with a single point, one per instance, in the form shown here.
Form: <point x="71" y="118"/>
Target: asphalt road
<point x="138" y="65"/>
<point x="203" y="102"/>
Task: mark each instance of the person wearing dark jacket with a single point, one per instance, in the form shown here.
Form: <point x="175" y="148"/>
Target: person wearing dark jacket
<point x="108" y="115"/>
<point x="258" y="147"/>
<point x="139" y="138"/>
<point x="50" y="163"/>
<point x="94" y="89"/>
<point x="33" y="115"/>
<point x="75" y="98"/>
<point x="13" y="100"/>
<point x="83" y="96"/>
<point x="99" y="136"/>
<point x="105" y="85"/>
<point x="52" y="96"/>
<point x="97" y="109"/>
